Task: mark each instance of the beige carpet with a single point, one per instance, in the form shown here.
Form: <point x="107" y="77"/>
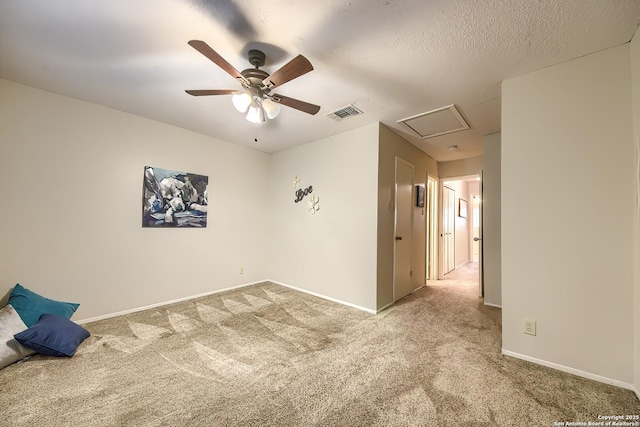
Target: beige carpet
<point x="268" y="355"/>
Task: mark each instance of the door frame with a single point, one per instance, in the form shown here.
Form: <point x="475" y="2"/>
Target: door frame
<point x="443" y="182"/>
<point x="432" y="268"/>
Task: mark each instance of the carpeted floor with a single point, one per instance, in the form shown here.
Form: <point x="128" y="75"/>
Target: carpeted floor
<point x="269" y="355"/>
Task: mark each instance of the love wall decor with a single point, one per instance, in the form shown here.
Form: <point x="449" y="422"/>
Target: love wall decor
<point x="313" y="204"/>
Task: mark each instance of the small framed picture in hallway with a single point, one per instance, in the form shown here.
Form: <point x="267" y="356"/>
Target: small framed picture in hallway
<point x="462" y="208"/>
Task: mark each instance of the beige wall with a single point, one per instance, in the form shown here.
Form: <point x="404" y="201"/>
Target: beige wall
<point x="390" y="146"/>
<point x="69" y="169"/>
<point x="635" y="67"/>
<point x="333" y="252"/>
<point x="491" y="228"/>
<point x="457" y="168"/>
<point x="568" y="174"/>
<point x="71" y="177"/>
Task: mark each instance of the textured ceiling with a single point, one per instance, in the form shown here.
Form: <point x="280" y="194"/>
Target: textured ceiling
<point x="392" y="59"/>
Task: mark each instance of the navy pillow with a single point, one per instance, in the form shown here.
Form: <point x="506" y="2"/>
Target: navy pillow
<point x="53" y="335"/>
<point x="30" y="306"/>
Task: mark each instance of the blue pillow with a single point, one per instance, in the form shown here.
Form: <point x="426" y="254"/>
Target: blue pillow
<point x="30" y="306"/>
<point x="53" y="335"/>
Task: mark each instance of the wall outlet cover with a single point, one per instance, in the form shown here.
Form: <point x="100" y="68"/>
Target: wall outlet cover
<point x="529" y="327"/>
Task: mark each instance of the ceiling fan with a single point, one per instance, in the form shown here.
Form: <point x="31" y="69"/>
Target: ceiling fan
<point x="255" y="99"/>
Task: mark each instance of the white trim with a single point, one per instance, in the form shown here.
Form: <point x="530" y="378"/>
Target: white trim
<point x="348" y="304"/>
<point x="573" y="371"/>
<point x="160" y="304"/>
<point x="463" y="263"/>
<point x="493" y="305"/>
<point x="637" y="393"/>
<point x="380" y="310"/>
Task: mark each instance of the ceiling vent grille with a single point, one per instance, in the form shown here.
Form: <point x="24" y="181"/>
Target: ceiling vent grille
<point x="436" y="122"/>
<point x="345" y="112"/>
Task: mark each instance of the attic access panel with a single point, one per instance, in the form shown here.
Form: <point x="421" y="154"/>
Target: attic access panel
<point x="436" y="122"/>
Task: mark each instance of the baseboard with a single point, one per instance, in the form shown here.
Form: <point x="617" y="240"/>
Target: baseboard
<point x="573" y="371"/>
<point x="348" y="304"/>
<point x="160" y="304"/>
<point x="493" y="305"/>
<point x="380" y="310"/>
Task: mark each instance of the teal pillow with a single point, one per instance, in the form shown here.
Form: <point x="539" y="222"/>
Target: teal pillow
<point x="53" y="335"/>
<point x="30" y="306"/>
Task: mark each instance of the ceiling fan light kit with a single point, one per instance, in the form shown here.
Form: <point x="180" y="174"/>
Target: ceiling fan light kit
<point x="256" y="112"/>
<point x="241" y="101"/>
<point x="255" y="99"/>
<point x="271" y="108"/>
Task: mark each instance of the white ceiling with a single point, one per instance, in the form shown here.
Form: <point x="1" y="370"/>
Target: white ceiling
<point x="392" y="59"/>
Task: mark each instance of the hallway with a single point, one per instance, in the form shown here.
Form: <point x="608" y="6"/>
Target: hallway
<point x="468" y="272"/>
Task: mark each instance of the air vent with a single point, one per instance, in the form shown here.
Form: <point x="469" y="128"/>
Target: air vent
<point x="345" y="112"/>
<point x="436" y="122"/>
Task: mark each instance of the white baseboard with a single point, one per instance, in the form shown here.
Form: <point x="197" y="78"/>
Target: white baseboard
<point x="160" y="304"/>
<point x="492" y="305"/>
<point x="577" y="372"/>
<point x="380" y="310"/>
<point x="348" y="304"/>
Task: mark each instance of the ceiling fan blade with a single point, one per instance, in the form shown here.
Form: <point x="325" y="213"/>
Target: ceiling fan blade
<point x="207" y="51"/>
<point x="296" y="103"/>
<point x="292" y="69"/>
<point x="206" y="92"/>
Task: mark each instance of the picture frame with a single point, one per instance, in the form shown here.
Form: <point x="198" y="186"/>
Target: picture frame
<point x="420" y="193"/>
<point x="174" y="199"/>
<point x="462" y="208"/>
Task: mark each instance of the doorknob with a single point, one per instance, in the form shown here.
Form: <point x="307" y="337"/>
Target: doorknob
<point x="398" y="237"/>
<point x="475" y="239"/>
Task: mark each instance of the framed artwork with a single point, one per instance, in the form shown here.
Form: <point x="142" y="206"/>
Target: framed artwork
<point x="174" y="199"/>
<point x="462" y="208"/>
<point x="419" y="196"/>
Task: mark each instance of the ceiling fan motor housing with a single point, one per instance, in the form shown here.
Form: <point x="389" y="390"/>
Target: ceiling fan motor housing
<point x="256" y="58"/>
<point x="255" y="76"/>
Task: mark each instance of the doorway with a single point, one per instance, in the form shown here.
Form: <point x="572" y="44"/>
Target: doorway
<point x="461" y="230"/>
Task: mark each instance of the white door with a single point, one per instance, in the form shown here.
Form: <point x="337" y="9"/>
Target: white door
<point x="432" y="229"/>
<point x="448" y="230"/>
<point x="402" y="273"/>
<point x="480" y="245"/>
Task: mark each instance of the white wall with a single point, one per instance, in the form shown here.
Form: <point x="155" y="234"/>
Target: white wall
<point x="567" y="215"/>
<point x="635" y="73"/>
<point x="71" y="177"/>
<point x="332" y="252"/>
<point x="491" y="228"/>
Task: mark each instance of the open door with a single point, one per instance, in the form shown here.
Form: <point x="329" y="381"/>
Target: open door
<point x="448" y="230"/>
<point x="477" y="238"/>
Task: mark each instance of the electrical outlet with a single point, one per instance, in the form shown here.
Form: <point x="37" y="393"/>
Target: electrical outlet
<point x="241" y="270"/>
<point x="529" y="327"/>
